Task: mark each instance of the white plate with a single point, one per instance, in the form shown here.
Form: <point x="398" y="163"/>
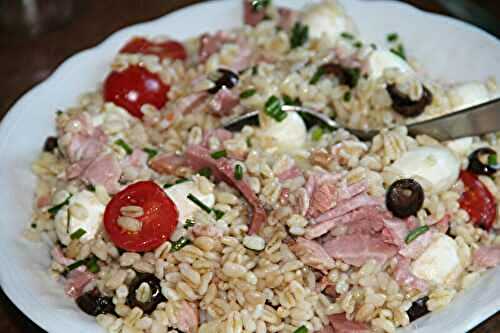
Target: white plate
<point x="447" y="48"/>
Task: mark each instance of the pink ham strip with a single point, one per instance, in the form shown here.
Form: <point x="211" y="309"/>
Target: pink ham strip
<point x="312" y="254"/>
<point x="326" y="329"/>
<point x="486" y="256"/>
<point x="219" y="133"/>
<point x="189" y="103"/>
<point x="251" y="16"/>
<point x="223" y="102"/>
<point x="405" y="277"/>
<point x="76" y="282"/>
<point x="291" y="173"/>
<point x="396" y="230"/>
<point x="341" y="324"/>
<point x="199" y="157"/>
<point x="357" y="249"/>
<point x="417" y="247"/>
<point x="105" y="171"/>
<point x="210" y="44"/>
<point x="347" y="206"/>
<point x="188" y="317"/>
<point x="167" y="163"/>
<point x="60" y="258"/>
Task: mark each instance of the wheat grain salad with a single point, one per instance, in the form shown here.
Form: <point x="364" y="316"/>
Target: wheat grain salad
<point x="162" y="221"/>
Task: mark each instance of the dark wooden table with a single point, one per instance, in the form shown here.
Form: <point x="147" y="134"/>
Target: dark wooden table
<point x="28" y="60"/>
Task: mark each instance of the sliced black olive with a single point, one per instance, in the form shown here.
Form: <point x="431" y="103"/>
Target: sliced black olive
<point x="418" y="309"/>
<point x="94" y="303"/>
<point x="346" y="76"/>
<point x="404" y="198"/>
<point x="224" y="78"/>
<point x="50" y="144"/>
<point x="403" y="104"/>
<point x="148" y="298"/>
<point x="478" y="167"/>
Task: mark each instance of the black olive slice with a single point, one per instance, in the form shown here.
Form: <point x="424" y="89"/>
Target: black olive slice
<point x="402" y="104"/>
<point x="50" y="144"/>
<point x="477" y="166"/>
<point x="143" y="297"/>
<point x="404" y="198"/>
<point x="224" y="78"/>
<point x="418" y="309"/>
<point x="94" y="303"/>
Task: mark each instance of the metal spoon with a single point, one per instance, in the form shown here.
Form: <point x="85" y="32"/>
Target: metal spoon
<point x="477" y="120"/>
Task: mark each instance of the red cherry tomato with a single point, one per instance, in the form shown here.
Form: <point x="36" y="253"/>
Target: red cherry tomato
<point x="134" y="87"/>
<point x="169" y="49"/>
<point x="158" y="222"/>
<point x="478" y="201"/>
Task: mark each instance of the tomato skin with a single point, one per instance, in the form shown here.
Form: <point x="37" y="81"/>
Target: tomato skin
<point x="478" y="201"/>
<point x="164" y="50"/>
<point x="158" y="222"/>
<point x="134" y="87"/>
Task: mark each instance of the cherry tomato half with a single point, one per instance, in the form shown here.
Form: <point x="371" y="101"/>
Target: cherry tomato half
<point x="478" y="201"/>
<point x="134" y="87"/>
<point x="158" y="222"/>
<point x="164" y="50"/>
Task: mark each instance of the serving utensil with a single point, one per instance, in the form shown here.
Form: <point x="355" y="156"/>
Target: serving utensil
<point x="477" y="120"/>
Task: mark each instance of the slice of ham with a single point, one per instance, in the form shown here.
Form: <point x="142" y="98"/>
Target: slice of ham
<point x="396" y="230"/>
<point x="198" y="157"/>
<point x="326" y="329"/>
<point x="443" y="224"/>
<point x="105" y="171"/>
<point x="220" y="134"/>
<point x="250" y="16"/>
<point x="188" y="317"/>
<point x="347" y="206"/>
<point x="486" y="256"/>
<point x="405" y="278"/>
<point x="341" y="324"/>
<point x="189" y="103"/>
<point x="210" y="44"/>
<point x="137" y="159"/>
<point x="417" y="246"/>
<point x="357" y="249"/>
<point x="87" y="142"/>
<point x="167" y="163"/>
<point x="223" y="102"/>
<point x="60" y="258"/>
<point x="76" y="282"/>
<point x="312" y="254"/>
<point x="290" y="173"/>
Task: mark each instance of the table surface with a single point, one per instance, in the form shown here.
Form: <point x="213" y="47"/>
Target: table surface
<point x="27" y="61"/>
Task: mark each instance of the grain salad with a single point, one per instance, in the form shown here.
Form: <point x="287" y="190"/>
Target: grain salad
<point x="160" y="220"/>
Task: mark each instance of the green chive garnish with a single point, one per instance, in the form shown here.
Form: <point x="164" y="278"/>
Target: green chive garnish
<point x="218" y="154"/>
<point x="59" y="112"/>
<point x="492" y="159"/>
<point x="75" y="265"/>
<point x="151" y="152"/>
<point x="218" y="214"/>
<point x="78" y="234"/>
<point x="273" y="109"/>
<point x="392" y="37"/>
<point x="124" y="145"/>
<point x="249" y="142"/>
<point x="347" y="96"/>
<point x="238" y="172"/>
<point x="33" y="225"/>
<point x="301" y="329"/>
<point x="347" y="35"/>
<point x="255" y="70"/>
<point x="353" y="76"/>
<point x="412" y="235"/>
<point x="92" y="265"/>
<point x="358" y="44"/>
<point x="287" y="100"/>
<point x="53" y="210"/>
<point x="317" y="133"/>
<point x="179" y="244"/>
<point x="248" y="93"/>
<point x="188" y="224"/>
<point x="299" y="36"/>
<point x="399" y="50"/>
<point x="199" y="203"/>
<point x="317" y="75"/>
<point x="205" y="172"/>
<point x="90" y="188"/>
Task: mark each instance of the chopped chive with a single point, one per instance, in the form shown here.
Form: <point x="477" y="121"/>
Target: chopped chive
<point x="78" y="234"/>
<point x="301" y="329"/>
<point x="33" y="225"/>
<point x="249" y="141"/>
<point x="317" y="75"/>
<point x="281" y="116"/>
<point x="392" y="37"/>
<point x="188" y="224"/>
<point x="273" y="109"/>
<point x="238" y="172"/>
<point x="92" y="265"/>
<point x="59" y="112"/>
<point x="287" y="100"/>
<point x="374" y="46"/>
<point x="347" y="96"/>
<point x="399" y="50"/>
<point x="205" y="172"/>
<point x="218" y="214"/>
<point x="317" y="133"/>
<point x="412" y="235"/>
<point x="353" y="76"/>
<point x="358" y="44"/>
<point x="54" y="209"/>
<point x="255" y="70"/>
<point x="124" y="145"/>
<point x="248" y="93"/>
<point x="75" y="265"/>
<point x="299" y="36"/>
<point x="218" y="154"/>
<point x="90" y="188"/>
<point x="179" y="244"/>
<point x="151" y="152"/>
<point x="199" y="203"/>
<point x="258" y="5"/>
<point x="347" y="35"/>
<point x="492" y="159"/>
